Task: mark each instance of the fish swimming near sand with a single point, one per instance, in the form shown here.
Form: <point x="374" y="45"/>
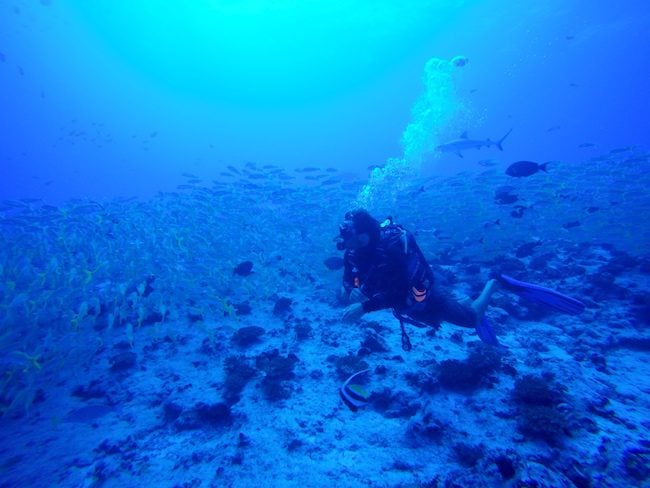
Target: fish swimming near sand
<point x="334" y="263"/>
<point x="504" y="196"/>
<point x="243" y="269"/>
<point x="521" y="169"/>
<point x="353" y="395"/>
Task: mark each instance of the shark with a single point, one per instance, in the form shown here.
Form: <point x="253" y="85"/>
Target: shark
<point x="458" y="145"/>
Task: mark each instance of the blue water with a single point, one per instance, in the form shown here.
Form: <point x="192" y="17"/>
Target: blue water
<point x="150" y="148"/>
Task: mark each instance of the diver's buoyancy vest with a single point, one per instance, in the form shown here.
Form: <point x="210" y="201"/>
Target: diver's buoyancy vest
<point x="397" y="240"/>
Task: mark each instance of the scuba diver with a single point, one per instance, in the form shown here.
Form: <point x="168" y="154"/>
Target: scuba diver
<point x="385" y="269"/>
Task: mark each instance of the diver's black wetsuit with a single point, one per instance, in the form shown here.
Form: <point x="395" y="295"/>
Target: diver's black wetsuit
<point x="393" y="273"/>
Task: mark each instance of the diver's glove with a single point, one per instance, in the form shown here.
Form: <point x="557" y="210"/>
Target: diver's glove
<point x="357" y="296"/>
<point x="353" y="312"/>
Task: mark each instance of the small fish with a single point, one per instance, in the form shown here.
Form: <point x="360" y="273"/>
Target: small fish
<point x="504" y="196"/>
<point x="486" y="163"/>
<point x="487" y="225"/>
<point x="527" y="249"/>
<point x="586" y="144"/>
<point x="243" y="308"/>
<point x="518" y="211"/>
<point x="153" y="134"/>
<point x="234" y="170"/>
<point x="506" y="199"/>
<point x="89" y="414"/>
<point x="189" y="175"/>
<point x="333" y="263"/>
<point x="282" y="306"/>
<point x="353" y="395"/>
<point x="620" y="150"/>
<point x="243" y="269"/>
<point x="568" y="196"/>
<point x="437" y="233"/>
<point x="330" y="181"/>
<point x="592" y="209"/>
<point x="2" y="58"/>
<point x="521" y="169"/>
<point x="459" y="61"/>
<point x="572" y="224"/>
<point x="638" y="159"/>
<point x="553" y="129"/>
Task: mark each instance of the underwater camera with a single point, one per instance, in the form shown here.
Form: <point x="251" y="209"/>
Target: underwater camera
<point x="346" y="231"/>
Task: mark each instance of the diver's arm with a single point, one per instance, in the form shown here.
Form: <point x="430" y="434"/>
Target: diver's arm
<point x="350" y="290"/>
<point x="418" y="272"/>
<point x="356" y="310"/>
<point x="348" y="279"/>
<point x="380" y="301"/>
<point x="355" y="295"/>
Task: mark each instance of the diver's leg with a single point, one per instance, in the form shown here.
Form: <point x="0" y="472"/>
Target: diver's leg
<point x="442" y="307"/>
<point x="480" y="304"/>
<point x="446" y="308"/>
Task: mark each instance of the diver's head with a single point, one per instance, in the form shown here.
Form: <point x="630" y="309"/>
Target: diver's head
<point x="359" y="229"/>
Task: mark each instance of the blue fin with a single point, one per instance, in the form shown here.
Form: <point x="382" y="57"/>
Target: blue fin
<point x="544" y="296"/>
<point x="486" y="332"/>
